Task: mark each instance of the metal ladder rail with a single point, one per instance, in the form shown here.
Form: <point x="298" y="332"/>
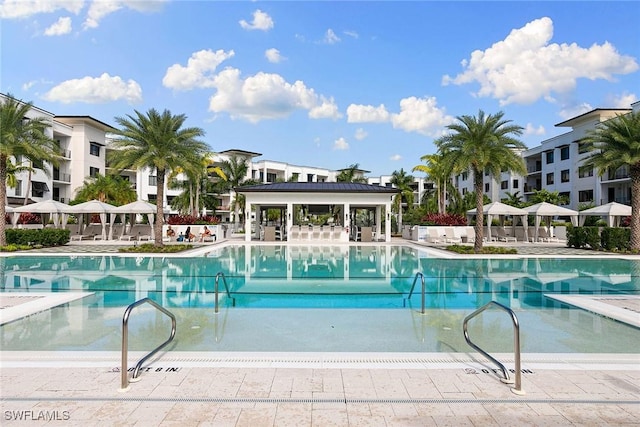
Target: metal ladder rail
<point x="216" y="292"/>
<point x="125" y="341"/>
<point x="424" y="290"/>
<point x="516" y="344"/>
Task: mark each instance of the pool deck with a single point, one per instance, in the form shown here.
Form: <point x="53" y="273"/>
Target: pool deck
<point x="320" y="389"/>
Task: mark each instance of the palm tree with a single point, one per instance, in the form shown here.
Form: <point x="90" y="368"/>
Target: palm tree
<point x="13" y="171"/>
<point x="24" y="138"/>
<point x="350" y="174"/>
<point x="478" y="144"/>
<point x="402" y="182"/>
<point x="513" y="199"/>
<point x="111" y="189"/>
<point x="235" y="170"/>
<point x="436" y="171"/>
<point x="613" y="144"/>
<point x="196" y="183"/>
<point x="157" y="141"/>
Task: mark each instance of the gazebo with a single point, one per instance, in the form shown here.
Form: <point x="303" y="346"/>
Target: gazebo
<point x="345" y="197"/>
<point x="501" y="210"/>
<point x="548" y="211"/>
<point x="613" y="211"/>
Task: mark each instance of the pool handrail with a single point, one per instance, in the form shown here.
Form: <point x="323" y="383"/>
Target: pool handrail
<point x="516" y="344"/>
<point x="226" y="287"/>
<point x="424" y="290"/>
<point x="125" y="340"/>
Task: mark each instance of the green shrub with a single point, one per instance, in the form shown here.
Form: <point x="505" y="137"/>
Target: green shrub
<point x="41" y="236"/>
<point x="616" y="239"/>
<point x="151" y="248"/>
<point x="486" y="250"/>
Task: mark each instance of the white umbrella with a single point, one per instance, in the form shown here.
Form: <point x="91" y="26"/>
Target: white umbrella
<point x="56" y="209"/>
<point x="613" y="211"/>
<point x="95" y="207"/>
<point x="500" y="209"/>
<point x="548" y="211"/>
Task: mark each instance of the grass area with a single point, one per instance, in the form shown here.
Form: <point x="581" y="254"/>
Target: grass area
<point x="150" y="248"/>
<point x="14" y="248"/>
<point x="486" y="250"/>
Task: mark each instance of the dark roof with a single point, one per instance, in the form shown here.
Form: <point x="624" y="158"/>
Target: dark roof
<point x="238" y="152"/>
<point x="316" y="187"/>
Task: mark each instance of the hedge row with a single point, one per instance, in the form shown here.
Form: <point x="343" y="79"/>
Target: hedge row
<point x="599" y="238"/>
<point x="41" y="236"/>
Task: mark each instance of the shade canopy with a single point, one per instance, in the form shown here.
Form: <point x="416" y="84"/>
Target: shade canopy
<point x="500" y="210"/>
<point x="95" y="207"/>
<point x="57" y="210"/>
<point x="139" y="207"/>
<point x="547" y="211"/>
<point x="613" y="211"/>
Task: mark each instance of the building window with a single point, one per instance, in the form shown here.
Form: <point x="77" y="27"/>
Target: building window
<point x="550" y="178"/>
<point x="152" y="198"/>
<point x="504" y="185"/>
<point x="465" y="176"/>
<point x="153" y="180"/>
<point x="582" y="148"/>
<point x="585" y="171"/>
<point x="295" y="176"/>
<point x="309" y="177"/>
<point x="549" y="155"/>
<point x="18" y="190"/>
<point x="94" y="149"/>
<point x="38" y="188"/>
<point x="464" y="191"/>
<point x="515" y="183"/>
<point x="585" y="196"/>
<point x="271" y="177"/>
<point x="564" y="153"/>
<point x="486" y="187"/>
<point x="93" y="171"/>
<point x="565" y="195"/>
<point x="564" y="175"/>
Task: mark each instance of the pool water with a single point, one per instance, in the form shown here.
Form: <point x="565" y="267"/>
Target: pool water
<point x="289" y="298"/>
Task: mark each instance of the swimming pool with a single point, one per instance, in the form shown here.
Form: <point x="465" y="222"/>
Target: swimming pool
<point x="319" y="298"/>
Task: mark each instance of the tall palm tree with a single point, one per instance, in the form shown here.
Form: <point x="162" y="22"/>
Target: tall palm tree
<point x="482" y="143"/>
<point x="157" y="141"/>
<point x="111" y="189"/>
<point x="235" y="170"/>
<point x="195" y="184"/>
<point x="350" y="174"/>
<point x="402" y="182"/>
<point x="436" y="171"/>
<point x="24" y="138"/>
<point x="613" y="144"/>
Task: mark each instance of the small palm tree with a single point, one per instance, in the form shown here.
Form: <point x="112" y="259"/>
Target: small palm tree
<point x="436" y="170"/>
<point x="482" y="143"/>
<point x="111" y="189"/>
<point x="235" y="169"/>
<point x="21" y="137"/>
<point x="402" y="182"/>
<point x="351" y="174"/>
<point x="159" y="142"/>
<point x="613" y="144"/>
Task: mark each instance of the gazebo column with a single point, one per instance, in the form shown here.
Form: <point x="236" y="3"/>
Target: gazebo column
<point x="247" y="222"/>
<point x="346" y="212"/>
<point x="387" y="223"/>
<point x="378" y="221"/>
<point x="289" y="219"/>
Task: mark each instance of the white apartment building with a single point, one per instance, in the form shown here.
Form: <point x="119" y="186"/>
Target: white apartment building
<point x="556" y="165"/>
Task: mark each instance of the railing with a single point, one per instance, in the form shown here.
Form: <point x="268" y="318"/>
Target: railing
<point x="125" y="341"/>
<point x="516" y="344"/>
<point x="216" y="292"/>
<point x="424" y="290"/>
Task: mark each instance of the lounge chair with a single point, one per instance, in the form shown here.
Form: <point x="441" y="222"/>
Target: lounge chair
<point x="544" y="236"/>
<point x="502" y="236"/>
<point x="435" y="235"/>
<point x="453" y="234"/>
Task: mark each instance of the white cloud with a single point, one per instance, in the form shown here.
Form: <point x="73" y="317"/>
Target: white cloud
<point x="367" y="114"/>
<point x="96" y="90"/>
<point x="340" y="144"/>
<point x="395" y="158"/>
<point x="28" y="85"/>
<point x="199" y="71"/>
<point x="265" y="96"/>
<point x="101" y="8"/>
<point x="571" y="111"/>
<point x="17" y="9"/>
<point x="360" y="134"/>
<point x="421" y="115"/>
<point x="330" y="37"/>
<point x="525" y="67"/>
<point x="352" y="34"/>
<point x="273" y="55"/>
<point x="623" y="100"/>
<point x="62" y="26"/>
<point x="261" y="21"/>
<point x="530" y="129"/>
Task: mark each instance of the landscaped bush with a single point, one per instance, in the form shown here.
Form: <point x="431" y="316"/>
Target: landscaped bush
<point x="610" y="238"/>
<point x="33" y="237"/>
<point x="486" y="250"/>
<point x="443" y="219"/>
<point x="151" y="248"/>
<point x="616" y="239"/>
<point x="190" y="219"/>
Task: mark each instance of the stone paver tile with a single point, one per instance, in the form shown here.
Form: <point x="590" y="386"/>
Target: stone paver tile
<point x="452" y="421"/>
<point x="432" y="409"/>
<point x="150" y="413"/>
<point x="468" y="408"/>
<point x="543" y="408"/>
<point x="328" y="417"/>
<point x="359" y="409"/>
<point x="259" y="416"/>
<point x="116" y="411"/>
<point x="293" y="415"/>
<point x="365" y="421"/>
<point x="418" y="421"/>
<point x="226" y="416"/>
<point x="383" y="409"/>
<point x="191" y="412"/>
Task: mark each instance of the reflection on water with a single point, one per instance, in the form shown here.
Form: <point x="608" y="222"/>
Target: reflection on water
<point x="315" y="298"/>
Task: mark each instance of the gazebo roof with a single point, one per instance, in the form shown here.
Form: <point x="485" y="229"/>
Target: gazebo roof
<point x="317" y="187"/>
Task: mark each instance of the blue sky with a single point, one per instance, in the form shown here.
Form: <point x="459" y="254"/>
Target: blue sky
<point x="324" y="84"/>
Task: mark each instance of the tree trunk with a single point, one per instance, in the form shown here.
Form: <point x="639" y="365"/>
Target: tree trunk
<point x="157" y="228"/>
<point x="479" y="227"/>
<point x="3" y="200"/>
<point x="26" y="193"/>
<point x="635" y="207"/>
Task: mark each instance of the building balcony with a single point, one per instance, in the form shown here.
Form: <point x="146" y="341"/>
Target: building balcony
<point x="62" y="177"/>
